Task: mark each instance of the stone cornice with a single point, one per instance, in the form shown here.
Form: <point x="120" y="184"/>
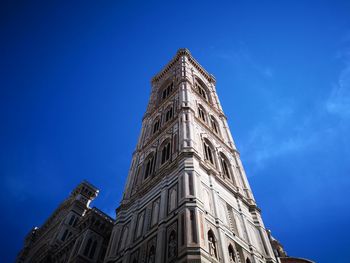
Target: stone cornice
<point x="183" y="52"/>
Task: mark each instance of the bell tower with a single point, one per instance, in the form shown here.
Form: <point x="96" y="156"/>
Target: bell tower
<point x="187" y="197"/>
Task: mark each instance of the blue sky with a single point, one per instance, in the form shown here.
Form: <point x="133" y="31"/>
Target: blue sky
<point x="75" y="81"/>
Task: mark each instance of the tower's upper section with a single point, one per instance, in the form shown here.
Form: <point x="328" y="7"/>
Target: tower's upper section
<point x="184" y="117"/>
<point x="183" y="68"/>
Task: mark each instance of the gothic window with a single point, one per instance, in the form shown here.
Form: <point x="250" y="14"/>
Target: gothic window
<point x="212" y="244"/>
<point x="248" y="260"/>
<point x="202" y="113"/>
<point x="201" y="91"/>
<point x="225" y="166"/>
<point x="169" y="114"/>
<point x="208" y="152"/>
<point x="93" y="249"/>
<point x="71" y="221"/>
<point x="214" y="124"/>
<point x="150" y="163"/>
<point x="165" y="153"/>
<point x="156" y="126"/>
<point x="88" y="247"/>
<point x="77" y="246"/>
<point x="75" y="221"/>
<point x="64" y="236"/>
<point x="167" y="91"/>
<point x="231" y="253"/>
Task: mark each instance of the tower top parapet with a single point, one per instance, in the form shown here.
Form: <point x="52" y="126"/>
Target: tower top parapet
<point x="86" y="189"/>
<point x="181" y="53"/>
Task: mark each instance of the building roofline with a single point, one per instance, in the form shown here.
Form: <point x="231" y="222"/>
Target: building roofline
<point x="183" y="52"/>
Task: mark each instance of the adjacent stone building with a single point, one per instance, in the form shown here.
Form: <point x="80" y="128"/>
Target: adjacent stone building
<point x="73" y="233"/>
<point x="186" y="199"/>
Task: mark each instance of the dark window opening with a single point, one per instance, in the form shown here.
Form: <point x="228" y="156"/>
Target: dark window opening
<point x="149" y="167"/>
<point x="214" y="125"/>
<point x="167" y="91"/>
<point x="169" y="114"/>
<point x="201" y="114"/>
<point x="64" y="236"/>
<point x="225" y="167"/>
<point x="156" y="126"/>
<point x="88" y="246"/>
<point x="208" y="153"/>
<point x="165" y="153"/>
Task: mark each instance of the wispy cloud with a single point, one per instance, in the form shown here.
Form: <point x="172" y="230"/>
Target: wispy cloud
<point x="268" y="141"/>
<point x="241" y="56"/>
<point x="339" y="100"/>
<point x="285" y="131"/>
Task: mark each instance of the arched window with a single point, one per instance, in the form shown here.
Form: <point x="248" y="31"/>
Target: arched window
<point x="64" y="235"/>
<point x="72" y="219"/>
<point x="225" y="166"/>
<point x="93" y="250"/>
<point x="150" y="164"/>
<point x="202" y="113"/>
<point x="75" y="221"/>
<point x="231" y="253"/>
<point x="156" y="125"/>
<point x="169" y="114"/>
<point x="212" y="244"/>
<point x="88" y="247"/>
<point x="167" y="90"/>
<point x="248" y="260"/>
<point x="208" y="152"/>
<point x="214" y="124"/>
<point x="77" y="246"/>
<point x="201" y="91"/>
<point x="165" y="153"/>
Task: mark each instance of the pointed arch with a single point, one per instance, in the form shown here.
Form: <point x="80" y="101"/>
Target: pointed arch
<point x="202" y="113"/>
<point x="93" y="249"/>
<point x="88" y="247"/>
<point x="209" y="151"/>
<point x="156" y="125"/>
<point x="150" y="163"/>
<point x="201" y="89"/>
<point x="166" y="89"/>
<point x="231" y="253"/>
<point x="165" y="151"/>
<point x="214" y="125"/>
<point x="225" y="166"/>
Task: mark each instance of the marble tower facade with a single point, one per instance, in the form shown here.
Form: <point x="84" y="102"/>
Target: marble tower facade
<point x="187" y="197"/>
